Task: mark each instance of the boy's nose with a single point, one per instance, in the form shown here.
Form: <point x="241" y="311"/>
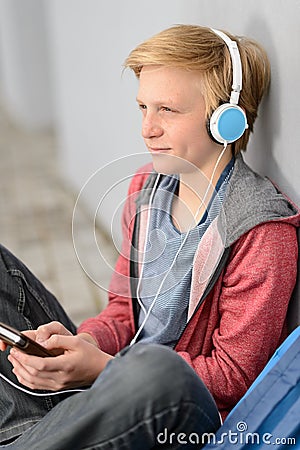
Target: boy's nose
<point x="151" y="127"/>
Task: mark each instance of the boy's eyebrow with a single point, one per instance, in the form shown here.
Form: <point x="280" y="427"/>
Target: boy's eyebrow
<point x="158" y="101"/>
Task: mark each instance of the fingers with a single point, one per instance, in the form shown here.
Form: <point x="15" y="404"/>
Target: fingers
<point x="29" y="371"/>
<point x="3" y="346"/>
<point x="79" y="365"/>
<point x="51" y="373"/>
<point x="44" y="332"/>
<point x="57" y="341"/>
<point x="34" y="364"/>
<point x="30" y="333"/>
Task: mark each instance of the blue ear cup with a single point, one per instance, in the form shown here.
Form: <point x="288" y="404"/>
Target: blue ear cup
<point x="227" y="123"/>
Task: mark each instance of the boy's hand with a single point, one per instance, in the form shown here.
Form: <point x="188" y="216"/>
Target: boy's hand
<point x="79" y="364"/>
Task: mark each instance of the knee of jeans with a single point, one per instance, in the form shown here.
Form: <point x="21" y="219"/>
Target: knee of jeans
<point x="157" y="367"/>
<point x="148" y="377"/>
<point x="159" y="373"/>
<point x="149" y="355"/>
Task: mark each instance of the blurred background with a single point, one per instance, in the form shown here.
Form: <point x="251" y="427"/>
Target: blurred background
<point x="68" y="119"/>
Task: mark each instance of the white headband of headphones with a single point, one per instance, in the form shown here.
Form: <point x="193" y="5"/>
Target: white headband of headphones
<point x="236" y="66"/>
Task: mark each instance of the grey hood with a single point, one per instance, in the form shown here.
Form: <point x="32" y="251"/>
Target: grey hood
<point x="251" y="200"/>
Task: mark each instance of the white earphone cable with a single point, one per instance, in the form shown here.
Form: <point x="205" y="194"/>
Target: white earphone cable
<point x="39" y="394"/>
<point x="145" y="245"/>
<point x="147" y="314"/>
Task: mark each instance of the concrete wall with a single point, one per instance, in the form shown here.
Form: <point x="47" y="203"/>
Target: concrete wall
<point x="94" y="105"/>
<point x="24" y="63"/>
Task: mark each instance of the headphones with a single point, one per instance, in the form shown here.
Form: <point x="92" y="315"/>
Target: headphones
<point x="228" y="122"/>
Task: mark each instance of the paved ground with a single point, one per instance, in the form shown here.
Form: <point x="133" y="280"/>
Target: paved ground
<point x="35" y="220"/>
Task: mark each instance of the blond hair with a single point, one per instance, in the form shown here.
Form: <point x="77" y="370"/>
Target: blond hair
<point x="198" y="48"/>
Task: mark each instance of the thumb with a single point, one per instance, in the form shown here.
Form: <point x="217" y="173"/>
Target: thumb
<point x="44" y="332"/>
<point x="58" y="341"/>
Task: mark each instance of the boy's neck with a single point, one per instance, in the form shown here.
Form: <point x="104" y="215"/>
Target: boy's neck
<point x="195" y="191"/>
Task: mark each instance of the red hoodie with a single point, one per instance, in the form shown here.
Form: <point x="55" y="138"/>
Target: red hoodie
<point x="244" y="273"/>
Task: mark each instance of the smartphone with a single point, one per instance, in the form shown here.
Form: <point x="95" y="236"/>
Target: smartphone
<point x="15" y="338"/>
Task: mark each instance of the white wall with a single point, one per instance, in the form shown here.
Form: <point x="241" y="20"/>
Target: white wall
<point x="95" y="112"/>
<point x="98" y="118"/>
<point x="276" y="24"/>
<point x="95" y="105"/>
<point x="25" y="70"/>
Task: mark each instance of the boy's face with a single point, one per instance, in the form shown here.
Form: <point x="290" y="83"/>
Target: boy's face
<point x="173" y="119"/>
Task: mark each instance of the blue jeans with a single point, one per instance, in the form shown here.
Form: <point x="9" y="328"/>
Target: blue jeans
<point x="147" y="397"/>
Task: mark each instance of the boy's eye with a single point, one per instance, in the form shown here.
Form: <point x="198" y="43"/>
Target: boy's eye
<point x="143" y="107"/>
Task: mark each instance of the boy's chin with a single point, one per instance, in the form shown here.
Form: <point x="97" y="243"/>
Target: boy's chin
<point x="168" y="164"/>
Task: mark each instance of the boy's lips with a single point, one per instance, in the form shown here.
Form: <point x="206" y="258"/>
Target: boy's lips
<point x="159" y="149"/>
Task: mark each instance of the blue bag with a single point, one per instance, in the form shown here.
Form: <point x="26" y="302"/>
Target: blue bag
<point x="268" y="416"/>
